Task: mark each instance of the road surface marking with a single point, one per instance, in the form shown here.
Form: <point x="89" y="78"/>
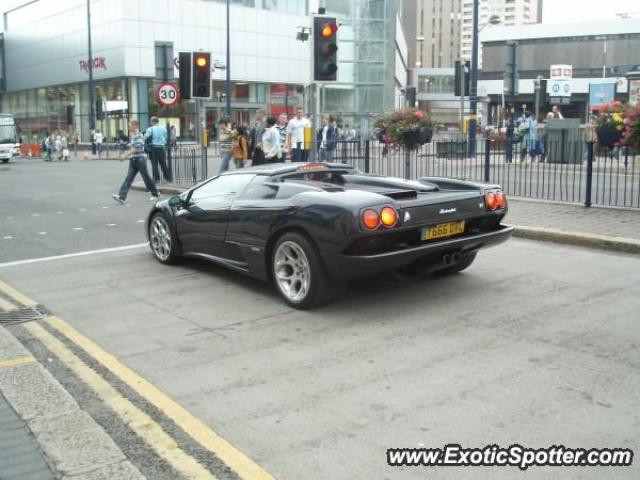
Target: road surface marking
<point x="7" y="237"/>
<point x="70" y="255"/>
<point x="113" y="224"/>
<point x="6" y="306"/>
<point x="83" y="209"/>
<point x="35" y="214"/>
<point x="59" y="213"/>
<point x="104" y="207"/>
<point x="78" y="228"/>
<point x="17" y="362"/>
<point x="242" y="465"/>
<point x="140" y="221"/>
<point x="42" y="233"/>
<point x="16" y="295"/>
<point x="141" y="423"/>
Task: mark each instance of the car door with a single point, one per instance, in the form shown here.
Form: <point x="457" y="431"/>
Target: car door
<point x="203" y="222"/>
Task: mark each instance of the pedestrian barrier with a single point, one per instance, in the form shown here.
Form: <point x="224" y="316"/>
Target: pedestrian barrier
<point x="187" y="164"/>
<point x="565" y="168"/>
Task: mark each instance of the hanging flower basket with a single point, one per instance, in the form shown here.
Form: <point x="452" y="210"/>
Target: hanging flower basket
<point x="608" y="136"/>
<point x="409" y="128"/>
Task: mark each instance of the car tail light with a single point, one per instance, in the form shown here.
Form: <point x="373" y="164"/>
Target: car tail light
<point x="491" y="200"/>
<point x="370" y="219"/>
<point x="501" y="199"/>
<point x="388" y="217"/>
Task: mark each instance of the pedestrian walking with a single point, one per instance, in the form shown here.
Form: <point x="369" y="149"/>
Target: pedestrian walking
<point x="240" y="148"/>
<point x="99" y="139"/>
<point x="137" y="164"/>
<point x="295" y="136"/>
<point x="58" y="147"/>
<point x="76" y="141"/>
<point x="255" y="144"/>
<point x="326" y="139"/>
<point x="48" y="147"/>
<point x="283" y="123"/>
<point x="65" y="149"/>
<point x="225" y="143"/>
<point x="271" y="142"/>
<point x="157" y="135"/>
<point x="529" y="130"/>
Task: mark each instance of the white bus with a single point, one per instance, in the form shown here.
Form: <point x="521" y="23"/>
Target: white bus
<point x="9" y="146"/>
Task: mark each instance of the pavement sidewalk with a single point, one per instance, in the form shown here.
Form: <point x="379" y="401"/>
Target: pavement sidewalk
<point x="615" y="229"/>
<point x="44" y="434"/>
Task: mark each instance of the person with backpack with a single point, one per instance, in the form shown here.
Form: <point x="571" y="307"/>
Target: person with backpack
<point x="156" y="134"/>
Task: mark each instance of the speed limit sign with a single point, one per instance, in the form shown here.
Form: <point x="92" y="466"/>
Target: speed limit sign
<point x="167" y="94"/>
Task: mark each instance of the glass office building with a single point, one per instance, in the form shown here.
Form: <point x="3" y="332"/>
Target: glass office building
<point x="46" y="62"/>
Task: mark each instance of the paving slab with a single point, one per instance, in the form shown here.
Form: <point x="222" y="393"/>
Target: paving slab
<point x="34" y="393"/>
<point x="74" y="443"/>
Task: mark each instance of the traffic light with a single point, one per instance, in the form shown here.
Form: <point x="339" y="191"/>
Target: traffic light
<point x="325" y="49"/>
<point x="201" y="75"/>
<point x="70" y="114"/>
<point x="410" y="95"/>
<point x="511" y="77"/>
<point x="462" y="78"/>
<point x="184" y="64"/>
<point x="99" y="109"/>
<point x="195" y="74"/>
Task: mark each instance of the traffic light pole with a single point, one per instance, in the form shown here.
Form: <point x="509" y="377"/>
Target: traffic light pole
<point x="92" y="103"/>
<point x="473" y="89"/>
<point x="228" y="86"/>
<point x="462" y="75"/>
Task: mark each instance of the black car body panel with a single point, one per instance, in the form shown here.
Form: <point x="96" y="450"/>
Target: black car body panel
<point x="326" y="202"/>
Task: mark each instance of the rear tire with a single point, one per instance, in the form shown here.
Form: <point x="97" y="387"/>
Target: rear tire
<point x="163" y="239"/>
<point x="298" y="272"/>
<point x="465" y="262"/>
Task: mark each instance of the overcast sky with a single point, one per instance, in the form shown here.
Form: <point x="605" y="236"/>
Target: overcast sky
<point x="556" y="11"/>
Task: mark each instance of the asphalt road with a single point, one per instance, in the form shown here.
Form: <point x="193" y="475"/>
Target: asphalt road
<point x="59" y="208"/>
<point x="535" y="344"/>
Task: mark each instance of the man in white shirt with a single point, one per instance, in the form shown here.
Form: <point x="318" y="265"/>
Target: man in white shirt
<point x="295" y="136"/>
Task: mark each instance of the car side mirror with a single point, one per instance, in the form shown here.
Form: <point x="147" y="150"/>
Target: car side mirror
<point x="177" y="202"/>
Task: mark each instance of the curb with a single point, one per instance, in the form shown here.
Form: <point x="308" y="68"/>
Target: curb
<point x="603" y="242"/>
<point x="164" y="189"/>
<point x="72" y="443"/>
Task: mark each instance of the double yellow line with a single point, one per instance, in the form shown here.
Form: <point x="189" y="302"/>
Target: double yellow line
<point x="143" y="425"/>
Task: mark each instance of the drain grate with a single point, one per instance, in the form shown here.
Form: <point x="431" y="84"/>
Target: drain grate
<point x="26" y="314"/>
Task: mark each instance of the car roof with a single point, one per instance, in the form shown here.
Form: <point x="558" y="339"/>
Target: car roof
<point x="280" y="168"/>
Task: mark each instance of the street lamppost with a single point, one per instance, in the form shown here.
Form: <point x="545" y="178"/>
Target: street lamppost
<point x="473" y="88"/>
<point x="92" y="105"/>
<point x="228" y="66"/>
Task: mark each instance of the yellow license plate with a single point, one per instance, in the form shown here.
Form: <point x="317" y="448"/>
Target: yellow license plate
<point x="443" y="230"/>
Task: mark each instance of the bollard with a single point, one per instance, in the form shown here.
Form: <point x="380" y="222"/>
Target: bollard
<point x="587" y="199"/>
<point x="366" y="156"/>
<point x="487" y="159"/>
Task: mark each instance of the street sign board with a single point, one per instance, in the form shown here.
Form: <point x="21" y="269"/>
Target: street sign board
<point x="634" y="92"/>
<point x="167" y="94"/>
<point x="560" y="100"/>
<point x="561" y="72"/>
<point x="600" y="93"/>
<point x="559" y="88"/>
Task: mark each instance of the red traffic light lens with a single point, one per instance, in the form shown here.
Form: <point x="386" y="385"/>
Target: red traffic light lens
<point x="328" y="30"/>
<point x="201" y="61"/>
